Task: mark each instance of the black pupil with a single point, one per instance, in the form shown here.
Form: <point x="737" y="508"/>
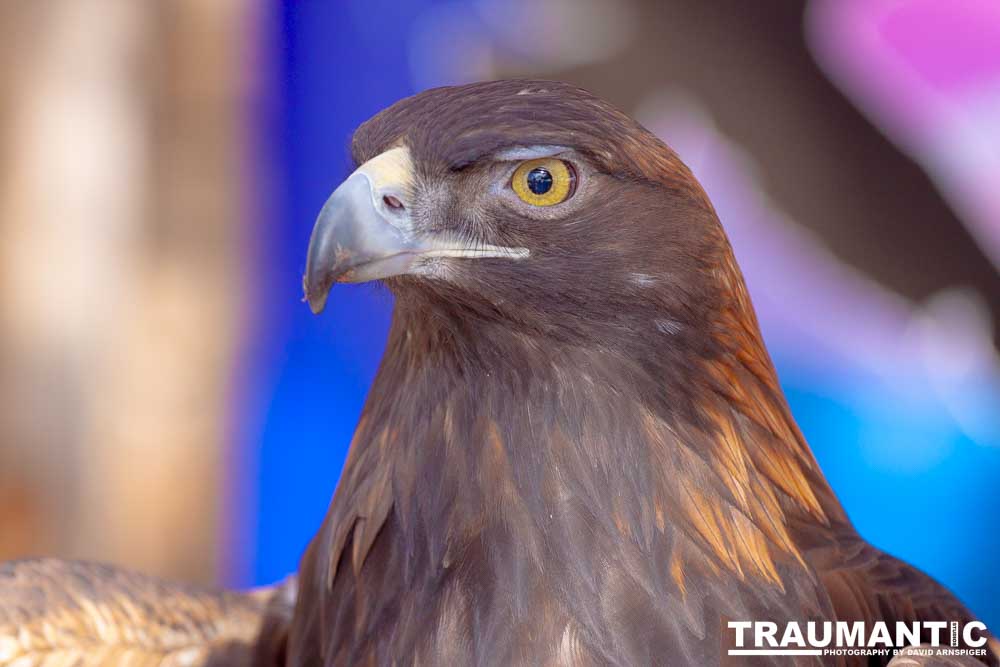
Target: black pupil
<point x="539" y="181"/>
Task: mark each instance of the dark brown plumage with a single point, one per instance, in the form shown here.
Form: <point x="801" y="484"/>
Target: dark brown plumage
<point x="582" y="457"/>
<point x="576" y="451"/>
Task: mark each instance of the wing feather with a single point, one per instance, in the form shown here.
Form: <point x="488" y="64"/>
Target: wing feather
<point x="57" y="613"/>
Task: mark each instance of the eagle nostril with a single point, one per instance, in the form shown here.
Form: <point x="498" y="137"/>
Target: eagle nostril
<point x="393" y="203"/>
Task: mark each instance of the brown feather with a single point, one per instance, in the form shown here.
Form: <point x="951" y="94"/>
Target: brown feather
<point x="59" y="613"/>
<point x="543" y="473"/>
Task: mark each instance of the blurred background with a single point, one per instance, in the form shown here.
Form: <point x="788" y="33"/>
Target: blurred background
<point x="168" y="403"/>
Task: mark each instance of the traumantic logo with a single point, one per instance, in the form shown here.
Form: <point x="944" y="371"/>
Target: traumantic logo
<point x="856" y="638"/>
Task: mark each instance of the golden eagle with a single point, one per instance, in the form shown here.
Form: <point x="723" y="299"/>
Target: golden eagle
<point x="576" y="450"/>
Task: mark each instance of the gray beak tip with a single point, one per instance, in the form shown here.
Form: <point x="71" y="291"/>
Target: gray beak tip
<point x="354" y="238"/>
<point x="317" y="304"/>
<point x="316" y="297"/>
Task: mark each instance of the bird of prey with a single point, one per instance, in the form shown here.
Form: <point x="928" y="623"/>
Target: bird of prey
<point x="576" y="450"/>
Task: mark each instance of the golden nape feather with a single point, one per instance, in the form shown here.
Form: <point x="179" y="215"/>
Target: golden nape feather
<point x="59" y="613"/>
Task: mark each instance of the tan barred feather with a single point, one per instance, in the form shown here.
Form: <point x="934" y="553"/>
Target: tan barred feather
<point x="60" y="613"/>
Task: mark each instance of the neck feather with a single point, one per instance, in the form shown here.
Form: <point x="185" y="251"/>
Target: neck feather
<point x="475" y="432"/>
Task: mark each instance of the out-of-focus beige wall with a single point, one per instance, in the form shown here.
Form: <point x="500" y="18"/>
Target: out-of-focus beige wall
<point x="122" y="151"/>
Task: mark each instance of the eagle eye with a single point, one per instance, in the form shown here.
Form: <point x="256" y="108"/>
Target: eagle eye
<point x="544" y="182"/>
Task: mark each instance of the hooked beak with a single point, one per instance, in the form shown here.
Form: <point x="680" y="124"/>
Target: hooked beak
<point x="364" y="231"/>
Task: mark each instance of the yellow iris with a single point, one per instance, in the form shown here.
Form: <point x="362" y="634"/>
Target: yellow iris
<point x="543" y="182"/>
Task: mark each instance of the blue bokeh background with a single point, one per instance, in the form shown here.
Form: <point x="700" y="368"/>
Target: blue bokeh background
<point x="311" y="374"/>
<point x="331" y="67"/>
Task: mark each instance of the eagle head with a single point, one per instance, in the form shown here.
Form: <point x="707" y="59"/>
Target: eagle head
<point x="530" y="203"/>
